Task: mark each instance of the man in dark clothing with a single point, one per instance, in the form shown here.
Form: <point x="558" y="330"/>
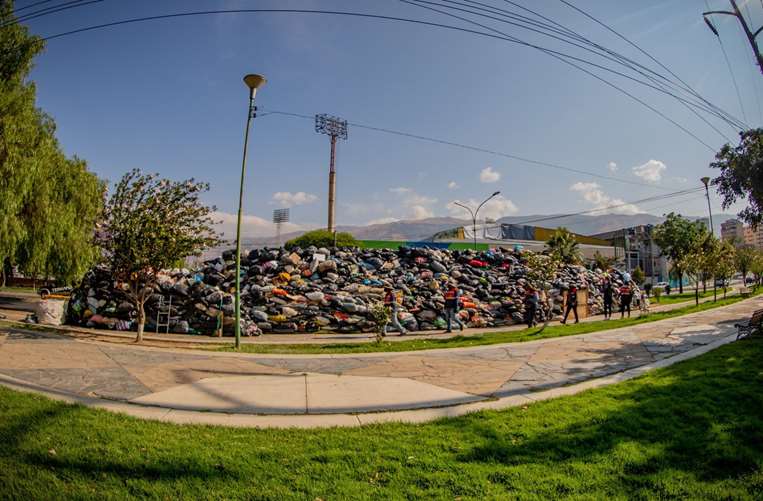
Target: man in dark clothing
<point x="626" y="296"/>
<point x="608" y="298"/>
<point x="572" y="304"/>
<point x="667" y="290"/>
<point x="452" y="305"/>
<point x="531" y="306"/>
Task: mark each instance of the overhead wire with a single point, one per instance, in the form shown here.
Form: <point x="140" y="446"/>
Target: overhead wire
<point x="751" y="67"/>
<point x="613" y="57"/>
<point x="564" y="60"/>
<point x="267" y="111"/>
<point x="637" y="47"/>
<point x="73" y="4"/>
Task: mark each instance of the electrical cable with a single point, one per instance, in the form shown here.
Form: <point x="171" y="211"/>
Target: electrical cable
<point x="34" y="4"/>
<point x="614" y="57"/>
<point x="560" y="58"/>
<point x="266" y="112"/>
<point x="50" y="10"/>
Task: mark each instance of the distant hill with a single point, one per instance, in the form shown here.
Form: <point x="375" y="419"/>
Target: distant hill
<point x="423" y="229"/>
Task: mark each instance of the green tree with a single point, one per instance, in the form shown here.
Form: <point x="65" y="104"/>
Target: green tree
<point x="676" y="237"/>
<point x="741" y="175"/>
<point x="322" y="238"/>
<point x="603" y="262"/>
<point x="725" y="262"/>
<point x="564" y="247"/>
<point x="637" y="275"/>
<point x="49" y="204"/>
<point x="149" y="224"/>
<point x="744" y="258"/>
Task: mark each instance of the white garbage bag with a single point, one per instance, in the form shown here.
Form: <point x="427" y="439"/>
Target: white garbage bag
<point x="50" y="311"/>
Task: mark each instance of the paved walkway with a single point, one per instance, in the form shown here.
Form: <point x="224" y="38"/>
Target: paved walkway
<point x="175" y="384"/>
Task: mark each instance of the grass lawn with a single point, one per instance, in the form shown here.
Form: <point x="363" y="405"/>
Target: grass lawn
<point x="688" y="295"/>
<point x="29" y="290"/>
<point x="553" y="330"/>
<point x="690" y="431"/>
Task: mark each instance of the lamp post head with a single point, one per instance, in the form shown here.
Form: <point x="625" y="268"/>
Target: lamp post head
<point x="705" y="180"/>
<point x="254" y="82"/>
<point x="495" y="194"/>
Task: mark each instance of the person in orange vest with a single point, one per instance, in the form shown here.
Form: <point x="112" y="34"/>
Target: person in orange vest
<point x="390" y="301"/>
<point x="452" y="305"/>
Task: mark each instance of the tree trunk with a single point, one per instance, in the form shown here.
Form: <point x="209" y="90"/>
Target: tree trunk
<point x="141" y="322"/>
<point x="696" y="292"/>
<point x="680" y="280"/>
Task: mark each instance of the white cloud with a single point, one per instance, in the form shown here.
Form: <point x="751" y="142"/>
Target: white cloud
<point x="650" y="171"/>
<point x="416" y="206"/>
<point x="593" y="194"/>
<point x="496" y="208"/>
<point x="612" y="167"/>
<point x="288" y="199"/>
<point x="251" y="226"/>
<point x="420" y="212"/>
<point x="382" y="220"/>
<point x="488" y="175"/>
<point x="452" y="185"/>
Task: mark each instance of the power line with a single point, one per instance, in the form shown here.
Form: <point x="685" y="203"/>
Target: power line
<point x="639" y="48"/>
<point x="467" y="147"/>
<point x="560" y="58"/>
<point x="35" y="4"/>
<point x="613" y="56"/>
<point x="50" y="10"/>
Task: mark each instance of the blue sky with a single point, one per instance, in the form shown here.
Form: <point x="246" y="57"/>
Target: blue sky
<point x="167" y="96"/>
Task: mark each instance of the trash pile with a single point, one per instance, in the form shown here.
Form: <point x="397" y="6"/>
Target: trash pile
<point x="306" y="290"/>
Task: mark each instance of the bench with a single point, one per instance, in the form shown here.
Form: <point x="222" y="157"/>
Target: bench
<point x="752" y="325"/>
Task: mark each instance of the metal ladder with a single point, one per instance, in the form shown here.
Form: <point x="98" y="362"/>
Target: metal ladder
<point x="164" y="311"/>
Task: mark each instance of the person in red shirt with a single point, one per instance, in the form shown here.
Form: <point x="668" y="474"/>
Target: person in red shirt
<point x="452" y="305"/>
<point x="626" y="296"/>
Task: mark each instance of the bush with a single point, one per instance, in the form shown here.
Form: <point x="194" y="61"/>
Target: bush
<point x="322" y="238"/>
<point x="657" y="291"/>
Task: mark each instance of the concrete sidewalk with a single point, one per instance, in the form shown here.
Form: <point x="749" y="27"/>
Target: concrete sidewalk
<point x="326" y="390"/>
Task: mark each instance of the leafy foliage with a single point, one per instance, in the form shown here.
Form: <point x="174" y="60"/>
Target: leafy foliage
<point x="603" y="262"/>
<point x="49" y="204"/>
<point x="742" y="175"/>
<point x="744" y="257"/>
<point x="322" y="238"/>
<point x="637" y="275"/>
<point x="564" y="247"/>
<point x="150" y="224"/>
<point x="541" y="268"/>
<point x="676" y="237"/>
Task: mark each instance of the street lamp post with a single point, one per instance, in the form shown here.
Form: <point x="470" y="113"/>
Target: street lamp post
<point x="254" y="82"/>
<point x="474" y="214"/>
<point x="705" y="180"/>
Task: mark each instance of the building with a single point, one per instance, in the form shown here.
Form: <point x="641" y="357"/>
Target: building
<point x="531" y="238"/>
<point x="733" y="230"/>
<point x="754" y="237"/>
<point x="638" y="250"/>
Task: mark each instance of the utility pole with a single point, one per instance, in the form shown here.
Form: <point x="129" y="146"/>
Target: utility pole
<point x="751" y="37"/>
<point x="333" y="127"/>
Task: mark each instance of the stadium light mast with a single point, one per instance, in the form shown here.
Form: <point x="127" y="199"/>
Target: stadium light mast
<point x="333" y="127"/>
<point x="280" y="216"/>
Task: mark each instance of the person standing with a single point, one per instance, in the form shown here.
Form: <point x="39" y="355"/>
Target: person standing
<point x="572" y="304"/>
<point x="531" y="306"/>
<point x="390" y="301"/>
<point x="452" y="306"/>
<point x="667" y="289"/>
<point x="608" y="291"/>
<point x="626" y="296"/>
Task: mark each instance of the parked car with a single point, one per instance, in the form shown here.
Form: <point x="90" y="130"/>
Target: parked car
<point x="750" y="280"/>
<point x="662" y="285"/>
<point x="721" y="282"/>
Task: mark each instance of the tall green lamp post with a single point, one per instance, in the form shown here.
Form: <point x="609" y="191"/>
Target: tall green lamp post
<point x="254" y="82"/>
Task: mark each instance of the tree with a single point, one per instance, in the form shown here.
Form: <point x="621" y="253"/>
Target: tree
<point x="741" y="175"/>
<point x="150" y="224"/>
<point x="756" y="268"/>
<point x="743" y="259"/>
<point x="725" y="263"/>
<point x="637" y="275"/>
<point x="603" y="262"/>
<point x="564" y="247"/>
<point x="322" y="238"/>
<point x="676" y="238"/>
<point x="49" y="204"/>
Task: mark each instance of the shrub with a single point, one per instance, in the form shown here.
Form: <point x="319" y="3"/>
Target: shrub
<point x="322" y="238"/>
<point x="657" y="291"/>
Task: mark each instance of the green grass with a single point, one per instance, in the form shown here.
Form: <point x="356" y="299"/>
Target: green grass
<point x="553" y="330"/>
<point x="29" y="290"/>
<point x="688" y="295"/>
<point x="690" y="431"/>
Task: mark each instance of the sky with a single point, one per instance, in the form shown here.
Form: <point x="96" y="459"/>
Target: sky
<point x="167" y="96"/>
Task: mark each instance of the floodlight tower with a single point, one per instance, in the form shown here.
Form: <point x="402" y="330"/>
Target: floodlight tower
<point x="333" y="127"/>
<point x="280" y="216"/>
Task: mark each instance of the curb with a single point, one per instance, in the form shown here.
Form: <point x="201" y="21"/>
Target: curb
<point x="305" y="421"/>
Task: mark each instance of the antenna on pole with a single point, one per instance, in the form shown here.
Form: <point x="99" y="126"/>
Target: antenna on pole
<point x="280" y="216"/>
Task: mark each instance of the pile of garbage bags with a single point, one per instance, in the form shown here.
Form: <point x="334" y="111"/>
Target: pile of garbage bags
<point x="307" y="290"/>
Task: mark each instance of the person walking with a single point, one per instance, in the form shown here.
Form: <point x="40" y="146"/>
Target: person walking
<point x="572" y="304"/>
<point x="608" y="292"/>
<point x="644" y="303"/>
<point x="452" y="306"/>
<point x="390" y="301"/>
<point x="626" y="296"/>
<point x="531" y="306"/>
<point x="667" y="289"/>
